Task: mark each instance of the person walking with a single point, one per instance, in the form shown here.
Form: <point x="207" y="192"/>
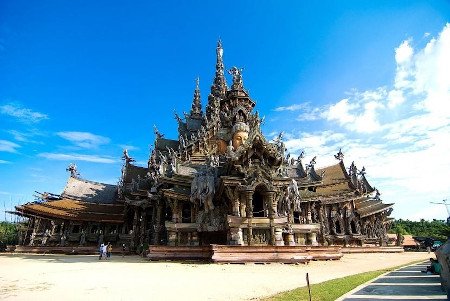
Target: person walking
<point x="123" y="250"/>
<point x="108" y="250"/>
<point x="104" y="248"/>
<point x="100" y="249"/>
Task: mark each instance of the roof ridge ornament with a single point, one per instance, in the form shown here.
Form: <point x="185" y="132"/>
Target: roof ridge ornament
<point x="126" y="157"/>
<point x="237" y="78"/>
<point x="157" y="133"/>
<point x="72" y="168"/>
<point x="340" y="155"/>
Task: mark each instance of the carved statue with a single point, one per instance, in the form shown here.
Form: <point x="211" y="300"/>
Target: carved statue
<point x="126" y="157"/>
<point x="203" y="189"/>
<point x="237" y="77"/>
<point x="82" y="238"/>
<point x="72" y="168"/>
<point x="339" y="156"/>
<point x="157" y="133"/>
<point x="45" y="237"/>
<point x="294" y="195"/>
<point x="240" y="134"/>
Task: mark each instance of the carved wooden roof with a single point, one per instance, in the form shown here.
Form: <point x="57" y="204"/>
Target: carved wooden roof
<point x="70" y="209"/>
<point x="89" y="191"/>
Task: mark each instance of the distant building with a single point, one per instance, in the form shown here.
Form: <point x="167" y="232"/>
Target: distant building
<point x="219" y="182"/>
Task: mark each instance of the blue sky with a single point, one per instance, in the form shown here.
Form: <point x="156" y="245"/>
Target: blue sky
<point x="80" y="81"/>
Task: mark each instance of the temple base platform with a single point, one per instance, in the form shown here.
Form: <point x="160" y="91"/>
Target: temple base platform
<point x="244" y="254"/>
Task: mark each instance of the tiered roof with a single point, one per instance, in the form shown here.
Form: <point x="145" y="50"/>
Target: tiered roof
<point x="81" y="200"/>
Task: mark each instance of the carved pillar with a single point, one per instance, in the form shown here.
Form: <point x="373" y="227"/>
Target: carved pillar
<point x="233" y="195"/>
<point x="171" y="238"/>
<point x="235" y="236"/>
<point x="176" y="216"/>
<point x="143" y="221"/>
<point x="312" y="238"/>
<point x="249" y="201"/>
<point x="194" y="239"/>
<point x="272" y="205"/>
<point x="308" y="213"/>
<point x="157" y="223"/>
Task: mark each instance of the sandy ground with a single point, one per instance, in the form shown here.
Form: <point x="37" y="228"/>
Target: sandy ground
<point x="58" y="277"/>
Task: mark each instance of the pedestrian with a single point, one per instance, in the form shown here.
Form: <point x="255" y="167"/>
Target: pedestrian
<point x="100" y="249"/>
<point x="108" y="250"/>
<point x="104" y="248"/>
<point x="123" y="250"/>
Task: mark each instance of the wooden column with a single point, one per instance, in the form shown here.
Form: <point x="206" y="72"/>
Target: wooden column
<point x="249" y="200"/>
<point x="270" y="201"/>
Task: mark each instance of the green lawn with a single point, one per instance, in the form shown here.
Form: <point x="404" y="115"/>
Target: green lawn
<point x="330" y="290"/>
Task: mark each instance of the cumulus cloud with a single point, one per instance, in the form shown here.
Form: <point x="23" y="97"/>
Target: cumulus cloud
<point x="407" y="152"/>
<point x="22" y="114"/>
<point x="8" y="146"/>
<point x="78" y="157"/>
<point x="84" y="139"/>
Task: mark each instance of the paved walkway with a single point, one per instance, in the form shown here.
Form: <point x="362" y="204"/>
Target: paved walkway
<point x="407" y="283"/>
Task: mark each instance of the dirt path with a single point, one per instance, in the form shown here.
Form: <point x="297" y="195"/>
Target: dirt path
<point x="57" y="277"/>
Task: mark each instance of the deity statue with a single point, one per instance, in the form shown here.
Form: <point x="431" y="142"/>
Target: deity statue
<point x="240" y="134"/>
<point x="45" y="237"/>
<point x="82" y="238"/>
<point x="72" y="168"/>
<point x="237" y="77"/>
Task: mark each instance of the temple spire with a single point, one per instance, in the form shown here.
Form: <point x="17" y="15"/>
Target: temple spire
<point x="196" y="110"/>
<point x="219" y="86"/>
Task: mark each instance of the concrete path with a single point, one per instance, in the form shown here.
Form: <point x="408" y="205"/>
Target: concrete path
<point x="407" y="283"/>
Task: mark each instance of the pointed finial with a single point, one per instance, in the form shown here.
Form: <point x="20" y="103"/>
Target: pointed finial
<point x="196" y="108"/>
<point x="219" y="49"/>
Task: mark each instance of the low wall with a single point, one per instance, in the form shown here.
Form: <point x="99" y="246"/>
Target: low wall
<point x="242" y="254"/>
<point x="56" y="250"/>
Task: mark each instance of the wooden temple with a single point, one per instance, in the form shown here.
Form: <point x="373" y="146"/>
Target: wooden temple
<point x="219" y="183"/>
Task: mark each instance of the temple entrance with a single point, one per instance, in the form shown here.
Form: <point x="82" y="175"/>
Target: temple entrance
<point x="214" y="237"/>
<point x="258" y="201"/>
<point x="338" y="227"/>
<point x="353" y="227"/>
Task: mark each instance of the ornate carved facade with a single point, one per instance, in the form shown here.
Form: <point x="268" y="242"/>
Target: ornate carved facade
<point x="222" y="182"/>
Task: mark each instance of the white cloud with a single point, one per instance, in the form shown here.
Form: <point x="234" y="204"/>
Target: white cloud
<point x="26" y="136"/>
<point x="4" y="162"/>
<point x="8" y="146"/>
<point x="407" y="152"/>
<point x="404" y="53"/>
<point x="395" y="98"/>
<point x="78" y="157"/>
<point x="294" y="107"/>
<point x="84" y="139"/>
<point x="22" y="114"/>
<point x="341" y="112"/>
<point x="129" y="147"/>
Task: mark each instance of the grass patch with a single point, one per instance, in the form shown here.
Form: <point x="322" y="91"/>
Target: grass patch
<point x="332" y="289"/>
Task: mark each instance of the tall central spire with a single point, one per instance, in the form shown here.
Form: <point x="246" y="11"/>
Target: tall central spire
<point x="196" y="109"/>
<point x="219" y="87"/>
